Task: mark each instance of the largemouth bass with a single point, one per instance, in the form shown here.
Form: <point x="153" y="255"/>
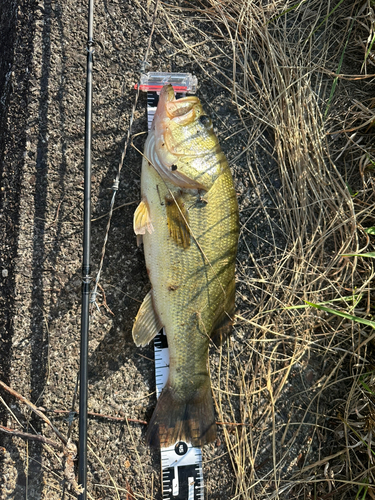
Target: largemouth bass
<point x="188" y="219"/>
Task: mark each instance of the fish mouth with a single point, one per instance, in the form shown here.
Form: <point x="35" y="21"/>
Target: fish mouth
<point x="183" y="110"/>
<point x="179" y="110"/>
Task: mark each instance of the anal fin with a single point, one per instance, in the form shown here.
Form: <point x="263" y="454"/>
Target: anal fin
<point x="147" y="324"/>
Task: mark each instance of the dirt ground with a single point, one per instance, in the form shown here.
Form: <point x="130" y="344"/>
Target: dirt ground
<point x="42" y="96"/>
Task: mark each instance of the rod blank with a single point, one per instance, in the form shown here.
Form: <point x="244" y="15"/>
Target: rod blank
<point x="86" y="279"/>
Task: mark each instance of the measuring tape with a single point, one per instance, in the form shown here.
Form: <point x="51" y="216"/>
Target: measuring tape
<point x="181" y="463"/>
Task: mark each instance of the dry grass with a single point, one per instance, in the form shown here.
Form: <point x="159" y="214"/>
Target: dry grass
<point x="277" y="61"/>
<point x="298" y="380"/>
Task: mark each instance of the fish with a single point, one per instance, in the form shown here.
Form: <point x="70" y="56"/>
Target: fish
<point x="189" y="224"/>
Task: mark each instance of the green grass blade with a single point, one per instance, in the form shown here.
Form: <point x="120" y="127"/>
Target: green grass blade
<point x="343" y="315"/>
<point x="354" y="298"/>
<point x="365" y="488"/>
<point x="365" y="386"/>
<point x="325" y="19"/>
<point x="352" y="193"/>
<point x="293" y="7"/>
<point x="367" y="445"/>
<point x="369" y="50"/>
<point x="368" y="254"/>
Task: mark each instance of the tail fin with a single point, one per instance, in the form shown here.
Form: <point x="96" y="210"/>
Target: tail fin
<point x="174" y="420"/>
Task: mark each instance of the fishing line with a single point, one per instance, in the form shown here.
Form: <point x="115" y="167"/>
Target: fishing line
<point x="182" y="475"/>
<point x="116" y="182"/>
<point x="86" y="279"/>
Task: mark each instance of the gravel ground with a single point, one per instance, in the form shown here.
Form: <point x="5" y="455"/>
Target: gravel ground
<point x="42" y="95"/>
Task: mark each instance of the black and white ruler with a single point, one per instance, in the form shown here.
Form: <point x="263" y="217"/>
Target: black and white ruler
<point x="181" y="463"/>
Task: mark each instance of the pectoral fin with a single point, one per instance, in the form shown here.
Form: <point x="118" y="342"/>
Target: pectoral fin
<point x="178" y="220"/>
<point x="142" y="219"/>
<point x="147" y="323"/>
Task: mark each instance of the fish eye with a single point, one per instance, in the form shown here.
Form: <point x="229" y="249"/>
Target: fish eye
<point x="205" y="121"/>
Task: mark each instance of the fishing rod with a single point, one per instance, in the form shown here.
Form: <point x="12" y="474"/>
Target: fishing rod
<point x="86" y="279"/>
<point x="181" y="464"/>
